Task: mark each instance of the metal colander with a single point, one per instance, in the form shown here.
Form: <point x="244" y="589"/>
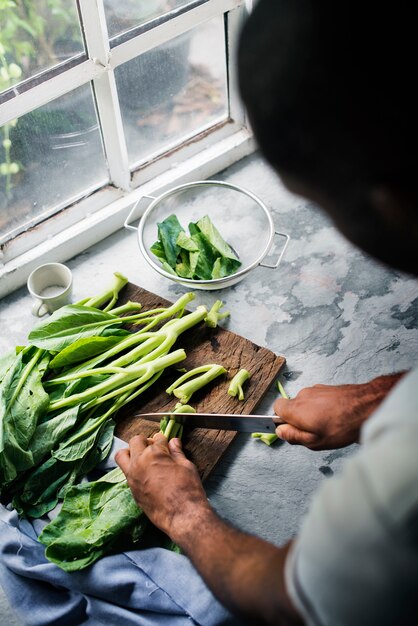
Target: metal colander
<point x="241" y="218"/>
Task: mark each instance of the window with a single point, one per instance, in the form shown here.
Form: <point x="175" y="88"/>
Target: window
<point x="102" y="102"/>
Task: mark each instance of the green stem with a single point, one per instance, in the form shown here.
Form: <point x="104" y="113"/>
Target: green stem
<point x="128" y="306"/>
<point x="126" y="390"/>
<point x="142" y="372"/>
<point x="184" y="390"/>
<point x="24" y="376"/>
<point x="235" y="386"/>
<point x="111" y="293"/>
<point x="266" y="438"/>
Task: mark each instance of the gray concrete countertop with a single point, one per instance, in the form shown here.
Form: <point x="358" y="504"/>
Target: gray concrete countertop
<point x="337" y="317"/>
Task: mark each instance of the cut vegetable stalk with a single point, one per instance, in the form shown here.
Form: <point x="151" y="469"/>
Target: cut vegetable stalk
<point x="168" y="425"/>
<point x="264" y="437"/>
<point x="110" y="294"/>
<point x="213" y="317"/>
<point x="235" y="386"/>
<point x="183" y="388"/>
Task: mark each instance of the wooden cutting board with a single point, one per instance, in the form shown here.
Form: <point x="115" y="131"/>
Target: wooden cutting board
<point x="202" y="345"/>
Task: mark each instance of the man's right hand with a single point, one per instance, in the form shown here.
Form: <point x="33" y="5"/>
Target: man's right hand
<point x="324" y="417"/>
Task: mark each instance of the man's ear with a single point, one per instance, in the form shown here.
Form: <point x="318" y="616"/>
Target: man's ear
<point x="398" y="209"/>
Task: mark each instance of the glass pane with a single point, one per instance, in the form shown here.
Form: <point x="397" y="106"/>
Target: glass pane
<point x="49" y="157"/>
<point x="173" y="91"/>
<point x="36" y="35"/>
<point x="122" y="15"/>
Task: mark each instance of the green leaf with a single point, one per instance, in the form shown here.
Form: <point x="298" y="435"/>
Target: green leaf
<point x="23" y="401"/>
<point x="6" y="362"/>
<point x="183" y="268"/>
<point x="158" y="249"/>
<point x="49" y="433"/>
<point x="207" y="257"/>
<point x="187" y="243"/>
<point x="212" y="234"/>
<point x="40" y="491"/>
<point x="81" y="441"/>
<point x="168" y="231"/>
<point x="83" y="349"/>
<point x="94" y="516"/>
<point x="224" y="267"/>
<point x="68" y="324"/>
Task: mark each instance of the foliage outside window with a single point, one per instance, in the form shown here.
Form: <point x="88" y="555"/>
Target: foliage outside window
<point x="98" y="99"/>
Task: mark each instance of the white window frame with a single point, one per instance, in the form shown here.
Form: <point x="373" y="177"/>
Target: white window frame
<point x="101" y="212"/>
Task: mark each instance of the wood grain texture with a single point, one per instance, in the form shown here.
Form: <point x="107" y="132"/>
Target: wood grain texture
<point x="203" y="345"/>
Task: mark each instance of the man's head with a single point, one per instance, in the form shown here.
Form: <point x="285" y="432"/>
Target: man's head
<point x="329" y="90"/>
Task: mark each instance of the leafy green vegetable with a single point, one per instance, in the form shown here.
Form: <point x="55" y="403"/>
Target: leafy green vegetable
<point x="58" y="398"/>
<point x="168" y="231"/>
<point x="71" y="323"/>
<point x="22" y="402"/>
<point x="212" y="235"/>
<point x="83" y="348"/>
<point x="92" y="519"/>
<point x="204" y="255"/>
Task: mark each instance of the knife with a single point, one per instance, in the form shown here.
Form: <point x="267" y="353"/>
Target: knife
<point x="220" y="421"/>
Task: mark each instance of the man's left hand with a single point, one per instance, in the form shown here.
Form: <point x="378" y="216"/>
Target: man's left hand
<point x="163" y="482"/>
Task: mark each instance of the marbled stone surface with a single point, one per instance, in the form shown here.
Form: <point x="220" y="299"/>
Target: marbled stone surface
<point x="337" y="316"/>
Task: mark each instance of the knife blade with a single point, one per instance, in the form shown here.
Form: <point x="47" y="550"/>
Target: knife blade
<point x="219" y="421"/>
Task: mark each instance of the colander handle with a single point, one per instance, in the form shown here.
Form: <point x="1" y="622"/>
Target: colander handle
<point x="132" y="211"/>
<point x="273" y="266"/>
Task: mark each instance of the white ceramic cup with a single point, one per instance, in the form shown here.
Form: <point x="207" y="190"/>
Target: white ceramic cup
<point x="51" y="286"/>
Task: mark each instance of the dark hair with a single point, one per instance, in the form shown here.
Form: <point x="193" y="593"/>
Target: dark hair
<point x="329" y="88"/>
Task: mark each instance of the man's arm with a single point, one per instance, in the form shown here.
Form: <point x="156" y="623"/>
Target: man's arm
<point x="245" y="573"/>
<point x="325" y="417"/>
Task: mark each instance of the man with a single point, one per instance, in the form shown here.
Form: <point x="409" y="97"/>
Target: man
<point x="328" y="88"/>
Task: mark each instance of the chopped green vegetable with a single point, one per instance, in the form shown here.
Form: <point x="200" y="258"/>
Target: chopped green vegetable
<point x="169" y="426"/>
<point x="281" y="390"/>
<point x="266" y="437"/>
<point x="213" y="317"/>
<point x="168" y="231"/>
<point x="204" y="255"/>
<point x="235" y="386"/>
<point x="183" y="388"/>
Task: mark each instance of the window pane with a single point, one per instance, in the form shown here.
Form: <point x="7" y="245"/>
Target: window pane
<point x="122" y="15"/>
<point x="36" y="35"/>
<point x="174" y="91"/>
<point x="48" y="158"/>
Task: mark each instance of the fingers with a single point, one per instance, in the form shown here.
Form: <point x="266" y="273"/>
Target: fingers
<point x="285" y="410"/>
<point x="295" y="436"/>
<point x="175" y="447"/>
<point x="123" y="459"/>
<point x="138" y="444"/>
<point x="177" y="451"/>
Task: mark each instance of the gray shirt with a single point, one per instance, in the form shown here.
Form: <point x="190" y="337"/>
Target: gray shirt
<point x="355" y="561"/>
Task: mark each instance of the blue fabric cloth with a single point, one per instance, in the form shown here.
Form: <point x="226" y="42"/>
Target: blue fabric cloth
<point x="138" y="587"/>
